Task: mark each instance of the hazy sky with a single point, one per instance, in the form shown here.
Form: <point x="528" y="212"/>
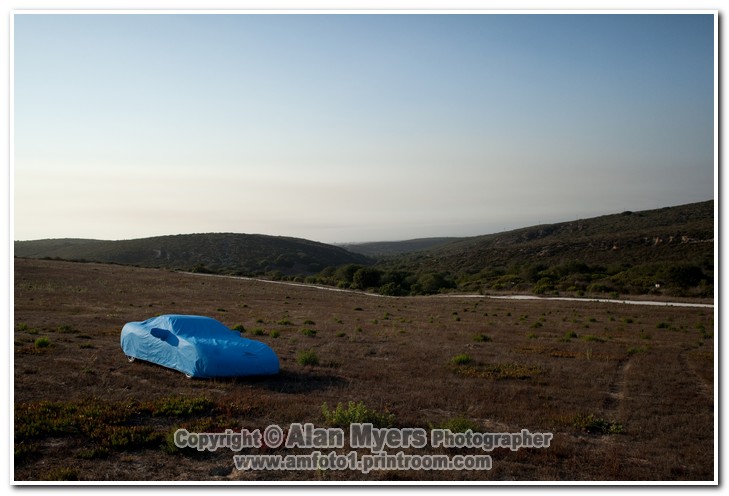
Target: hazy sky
<point x="344" y="128"/>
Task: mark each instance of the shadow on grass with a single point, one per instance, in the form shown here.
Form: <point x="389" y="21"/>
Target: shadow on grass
<point x="294" y="382"/>
<point x="286" y="381"/>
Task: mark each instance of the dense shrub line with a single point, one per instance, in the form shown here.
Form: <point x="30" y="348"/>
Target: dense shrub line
<point x="574" y="277"/>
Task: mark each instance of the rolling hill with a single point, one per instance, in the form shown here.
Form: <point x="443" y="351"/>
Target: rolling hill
<point x="667" y="234"/>
<point x="662" y="251"/>
<point x="243" y="254"/>
<point x="625" y="252"/>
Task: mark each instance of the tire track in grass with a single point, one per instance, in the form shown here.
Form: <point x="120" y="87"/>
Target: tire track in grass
<point x="704" y="389"/>
<point x="616" y="388"/>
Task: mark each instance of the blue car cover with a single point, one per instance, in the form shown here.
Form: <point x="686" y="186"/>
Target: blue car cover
<point x="198" y="346"/>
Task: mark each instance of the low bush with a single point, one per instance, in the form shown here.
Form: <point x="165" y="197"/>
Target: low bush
<point x="343" y="416"/>
<point x="307" y="357"/>
<point x="596" y="425"/>
<point x="460" y="424"/>
<point x="461" y="359"/>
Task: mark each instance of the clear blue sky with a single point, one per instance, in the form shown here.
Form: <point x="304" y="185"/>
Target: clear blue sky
<point x="345" y="128"/>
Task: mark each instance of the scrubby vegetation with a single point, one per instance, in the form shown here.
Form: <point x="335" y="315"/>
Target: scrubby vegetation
<point x="343" y="416"/>
<point x="105" y="426"/>
<point x="661" y="252"/>
<point x="307" y="357"/>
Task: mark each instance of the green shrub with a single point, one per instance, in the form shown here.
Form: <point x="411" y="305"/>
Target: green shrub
<point x="598" y="287"/>
<point x="542" y="286"/>
<point x="307" y="357"/>
<point x="482" y="338"/>
<point x="274" y="334"/>
<point x="461" y="424"/>
<point x="343" y="416"/>
<point x="366" y="277"/>
<point x="169" y="446"/>
<point x="43" y="342"/>
<point x="61" y="474"/>
<point x="308" y="332"/>
<point x="461" y="359"/>
<point x="596" y="425"/>
<point x="93" y="453"/>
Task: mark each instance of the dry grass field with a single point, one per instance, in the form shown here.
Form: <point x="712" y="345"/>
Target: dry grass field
<point x="626" y="390"/>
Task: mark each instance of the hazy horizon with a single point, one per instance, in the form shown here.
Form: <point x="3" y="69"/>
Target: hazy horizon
<point x="355" y="128"/>
<point x="338" y="242"/>
<point x="345" y="242"/>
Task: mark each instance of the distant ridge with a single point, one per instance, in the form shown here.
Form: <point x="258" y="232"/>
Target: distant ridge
<point x="665" y="234"/>
<point x="243" y="254"/>
<point x="663" y="251"/>
<point x="628" y="252"/>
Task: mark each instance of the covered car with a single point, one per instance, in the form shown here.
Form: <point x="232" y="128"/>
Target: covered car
<point x="197" y="346"/>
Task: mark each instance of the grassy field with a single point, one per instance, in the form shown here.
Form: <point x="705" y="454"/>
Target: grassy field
<point x="626" y="390"/>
